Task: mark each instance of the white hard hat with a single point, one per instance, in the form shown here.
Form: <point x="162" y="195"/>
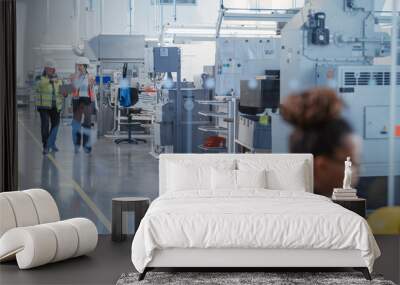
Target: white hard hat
<point x="82" y="60"/>
<point x="50" y="63"/>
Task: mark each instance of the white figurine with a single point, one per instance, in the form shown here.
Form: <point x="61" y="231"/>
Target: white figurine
<point x="347" y="174"/>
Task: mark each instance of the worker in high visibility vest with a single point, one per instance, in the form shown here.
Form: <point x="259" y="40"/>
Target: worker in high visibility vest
<point x="83" y="97"/>
<point x="49" y="102"/>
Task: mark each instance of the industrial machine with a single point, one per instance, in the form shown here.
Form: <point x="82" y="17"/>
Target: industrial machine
<point x="365" y="90"/>
<point x="326" y="43"/>
<point x="243" y="59"/>
<point x="167" y="123"/>
<point x="260" y="94"/>
<point x="334" y="44"/>
<point x="247" y="69"/>
<point x="177" y="113"/>
<point x="258" y="99"/>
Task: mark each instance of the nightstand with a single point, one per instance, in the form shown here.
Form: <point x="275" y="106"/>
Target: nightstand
<point x="357" y="205"/>
<point x="139" y="205"/>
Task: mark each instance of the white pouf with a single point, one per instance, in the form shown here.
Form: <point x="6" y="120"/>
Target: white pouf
<point x="31" y="232"/>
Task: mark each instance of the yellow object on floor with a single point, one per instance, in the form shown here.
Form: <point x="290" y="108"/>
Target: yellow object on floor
<point x="385" y="221"/>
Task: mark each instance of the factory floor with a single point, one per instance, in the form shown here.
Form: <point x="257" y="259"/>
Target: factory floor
<point x="83" y="185"/>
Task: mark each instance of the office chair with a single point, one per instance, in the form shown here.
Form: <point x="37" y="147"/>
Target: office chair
<point x="134" y="96"/>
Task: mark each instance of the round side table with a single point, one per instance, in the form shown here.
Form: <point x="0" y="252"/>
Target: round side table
<point x="138" y="205"/>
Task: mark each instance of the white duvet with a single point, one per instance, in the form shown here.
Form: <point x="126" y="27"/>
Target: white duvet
<point x="250" y="219"/>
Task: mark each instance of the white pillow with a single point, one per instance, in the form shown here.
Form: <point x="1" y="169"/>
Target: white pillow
<point x="281" y="174"/>
<point x="226" y="179"/>
<point x="251" y="178"/>
<point x="182" y="177"/>
<point x="278" y="180"/>
<point x="193" y="175"/>
<point x="223" y="179"/>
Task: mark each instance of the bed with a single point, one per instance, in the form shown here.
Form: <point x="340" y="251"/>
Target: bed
<point x="246" y="211"/>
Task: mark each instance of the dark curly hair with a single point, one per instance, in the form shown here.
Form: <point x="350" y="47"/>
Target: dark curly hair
<point x="315" y="115"/>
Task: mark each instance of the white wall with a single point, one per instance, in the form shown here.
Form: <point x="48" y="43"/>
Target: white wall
<point x="147" y="18"/>
<point x="48" y="28"/>
<point x="115" y="16"/>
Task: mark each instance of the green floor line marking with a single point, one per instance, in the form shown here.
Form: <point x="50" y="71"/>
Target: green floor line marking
<point x="103" y="219"/>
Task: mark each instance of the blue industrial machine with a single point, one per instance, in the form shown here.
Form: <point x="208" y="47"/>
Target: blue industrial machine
<point x="177" y="113"/>
<point x="168" y="60"/>
<point x="336" y="44"/>
<point x="247" y="69"/>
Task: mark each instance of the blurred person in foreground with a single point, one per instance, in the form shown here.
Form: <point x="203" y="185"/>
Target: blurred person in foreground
<point x="320" y="129"/>
<point x="49" y="104"/>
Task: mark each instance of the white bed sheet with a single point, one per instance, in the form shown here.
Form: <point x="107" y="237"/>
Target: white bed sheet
<point x="252" y="218"/>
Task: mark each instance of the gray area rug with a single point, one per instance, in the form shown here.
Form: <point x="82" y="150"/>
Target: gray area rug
<point x="228" y="278"/>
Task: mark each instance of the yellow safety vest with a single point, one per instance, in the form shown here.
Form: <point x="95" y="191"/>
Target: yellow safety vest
<point x="44" y="94"/>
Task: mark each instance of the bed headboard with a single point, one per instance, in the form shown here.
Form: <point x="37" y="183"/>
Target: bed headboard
<point x="165" y="159"/>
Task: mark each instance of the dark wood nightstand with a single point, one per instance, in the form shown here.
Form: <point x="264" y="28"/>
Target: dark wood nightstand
<point x="357" y="205"/>
<point x="139" y="205"/>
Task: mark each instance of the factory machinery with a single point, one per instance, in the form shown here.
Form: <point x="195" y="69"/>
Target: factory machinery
<point x="174" y="116"/>
<point x="181" y="114"/>
<point x="204" y="119"/>
<point x="326" y="43"/>
<point x="248" y="72"/>
<point x="334" y="44"/>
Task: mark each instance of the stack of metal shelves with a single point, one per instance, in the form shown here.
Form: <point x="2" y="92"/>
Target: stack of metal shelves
<point x="222" y="125"/>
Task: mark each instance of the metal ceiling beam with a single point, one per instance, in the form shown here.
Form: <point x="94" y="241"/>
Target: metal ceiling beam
<point x="256" y="26"/>
<point x="267" y="15"/>
<point x="219" y="21"/>
<point x="235" y="16"/>
<point x="383" y="17"/>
